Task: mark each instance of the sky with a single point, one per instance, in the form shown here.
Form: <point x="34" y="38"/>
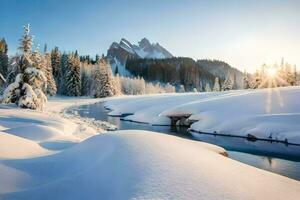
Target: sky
<point x="244" y="33"/>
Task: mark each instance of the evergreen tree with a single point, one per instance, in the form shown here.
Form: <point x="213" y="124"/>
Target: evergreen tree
<point x="85" y="79"/>
<point x="45" y="48"/>
<point x="103" y="81"/>
<point x="72" y="76"/>
<point x="51" y="88"/>
<point x="63" y="66"/>
<point x="217" y="87"/>
<point x="257" y="80"/>
<point x="97" y="58"/>
<point x="246" y="81"/>
<point x="234" y="84"/>
<point x="228" y="84"/>
<point x="56" y="65"/>
<point x="181" y="89"/>
<point x="27" y="90"/>
<point x="3" y="58"/>
<point x="118" y="85"/>
<point x="207" y="88"/>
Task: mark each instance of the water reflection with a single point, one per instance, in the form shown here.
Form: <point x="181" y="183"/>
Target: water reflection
<point x="275" y="157"/>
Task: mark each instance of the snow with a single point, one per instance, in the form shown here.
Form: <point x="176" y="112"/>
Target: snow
<point x="266" y="114"/>
<point x="44" y="155"/>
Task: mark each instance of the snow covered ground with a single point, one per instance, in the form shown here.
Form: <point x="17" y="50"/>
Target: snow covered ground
<point x="44" y="155"/>
<point x="265" y="114"/>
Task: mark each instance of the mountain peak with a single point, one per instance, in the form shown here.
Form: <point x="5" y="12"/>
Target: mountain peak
<point x="120" y="52"/>
<point x="144" y="43"/>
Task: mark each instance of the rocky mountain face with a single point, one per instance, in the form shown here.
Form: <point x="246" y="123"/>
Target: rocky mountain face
<point x="135" y="56"/>
<point x="118" y="53"/>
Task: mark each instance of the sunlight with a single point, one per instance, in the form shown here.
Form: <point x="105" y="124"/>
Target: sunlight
<point x="271" y="72"/>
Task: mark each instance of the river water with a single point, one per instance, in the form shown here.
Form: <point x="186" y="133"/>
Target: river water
<point x="279" y="158"/>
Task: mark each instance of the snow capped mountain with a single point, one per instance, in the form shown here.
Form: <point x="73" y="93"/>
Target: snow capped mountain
<point x="118" y="53"/>
<point x="144" y="49"/>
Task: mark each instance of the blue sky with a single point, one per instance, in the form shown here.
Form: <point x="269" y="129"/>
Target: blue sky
<point x="243" y="33"/>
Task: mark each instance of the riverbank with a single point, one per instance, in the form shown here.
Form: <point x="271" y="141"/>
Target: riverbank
<point x="131" y="164"/>
<point x="267" y="114"/>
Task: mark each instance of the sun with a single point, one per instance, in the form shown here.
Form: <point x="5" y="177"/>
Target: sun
<point x="271" y="72"/>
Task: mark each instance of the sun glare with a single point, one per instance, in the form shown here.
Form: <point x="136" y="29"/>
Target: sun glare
<point x="271" y="72"/>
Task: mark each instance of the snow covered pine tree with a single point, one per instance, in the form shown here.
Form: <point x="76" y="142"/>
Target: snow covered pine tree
<point x="103" y="80"/>
<point x="51" y="85"/>
<point x="27" y="90"/>
<point x="217" y="87"/>
<point x="72" y="82"/>
<point x="228" y="84"/>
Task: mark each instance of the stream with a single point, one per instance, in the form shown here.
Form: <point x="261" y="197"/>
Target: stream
<point x="279" y="158"/>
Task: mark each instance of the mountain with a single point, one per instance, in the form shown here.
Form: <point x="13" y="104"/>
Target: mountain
<point x="118" y="53"/>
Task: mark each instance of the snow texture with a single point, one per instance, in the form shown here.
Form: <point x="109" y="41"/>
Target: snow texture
<point x="265" y="114"/>
<point x="42" y="157"/>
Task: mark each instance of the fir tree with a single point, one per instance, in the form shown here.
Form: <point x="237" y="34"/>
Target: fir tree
<point x="103" y="81"/>
<point x="228" y="84"/>
<point x="3" y="58"/>
<point x="246" y="81"/>
<point x="257" y="80"/>
<point x="181" y="89"/>
<point x="85" y="79"/>
<point x="234" y="84"/>
<point x="207" y="88"/>
<point x="72" y="77"/>
<point x="27" y="90"/>
<point x="51" y="85"/>
<point x="217" y="87"/>
<point x="63" y="67"/>
<point x="56" y="65"/>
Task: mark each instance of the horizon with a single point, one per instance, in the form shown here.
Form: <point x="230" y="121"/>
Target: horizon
<point x="243" y="34"/>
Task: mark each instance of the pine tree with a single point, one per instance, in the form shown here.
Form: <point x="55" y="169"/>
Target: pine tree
<point x="72" y="76"/>
<point x="56" y="65"/>
<point x="257" y="80"/>
<point x="27" y="90"/>
<point x="246" y="81"/>
<point x="3" y="58"/>
<point x="227" y="85"/>
<point x="118" y="85"/>
<point x="85" y="79"/>
<point x="181" y="89"/>
<point x="103" y="81"/>
<point x="217" y="87"/>
<point x="234" y="84"/>
<point x="289" y="75"/>
<point x="51" y="88"/>
<point x="97" y="58"/>
<point x="207" y="88"/>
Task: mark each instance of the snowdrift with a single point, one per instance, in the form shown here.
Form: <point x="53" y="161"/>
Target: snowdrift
<point x="142" y="165"/>
<point x="272" y="114"/>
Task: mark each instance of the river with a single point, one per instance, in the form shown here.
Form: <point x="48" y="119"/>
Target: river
<point x="279" y="158"/>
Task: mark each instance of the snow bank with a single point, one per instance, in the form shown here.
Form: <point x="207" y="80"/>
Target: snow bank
<point x="142" y="165"/>
<point x="264" y="114"/>
<point x="146" y="108"/>
<point x="12" y="147"/>
<point x="45" y="156"/>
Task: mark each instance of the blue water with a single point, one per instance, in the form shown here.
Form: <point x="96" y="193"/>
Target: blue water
<point x="275" y="157"/>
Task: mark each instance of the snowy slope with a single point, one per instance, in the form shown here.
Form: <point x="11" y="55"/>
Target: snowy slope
<point x="266" y="114"/>
<point x="143" y="165"/>
<point x="120" y="165"/>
